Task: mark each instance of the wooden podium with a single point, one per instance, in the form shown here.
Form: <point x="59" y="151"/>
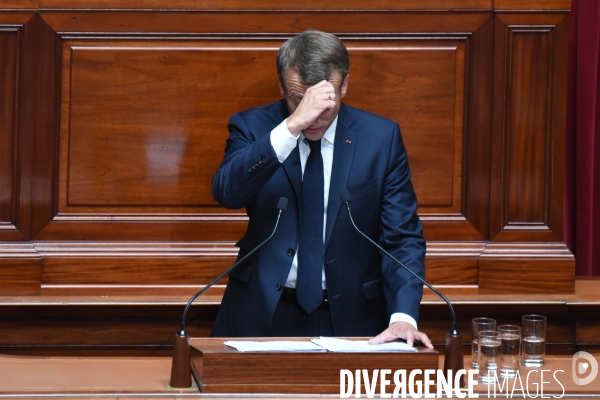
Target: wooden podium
<point x="221" y="369"/>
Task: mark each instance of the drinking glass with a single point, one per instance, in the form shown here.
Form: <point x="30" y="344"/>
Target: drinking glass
<point x="510" y="350"/>
<point x="479" y="324"/>
<point x="533" y="328"/>
<point x="489" y="355"/>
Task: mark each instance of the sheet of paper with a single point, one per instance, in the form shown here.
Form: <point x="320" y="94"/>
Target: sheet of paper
<point x="273" y="345"/>
<point x="360" y="346"/>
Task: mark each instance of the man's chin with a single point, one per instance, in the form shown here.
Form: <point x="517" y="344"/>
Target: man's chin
<point x="313" y="134"/>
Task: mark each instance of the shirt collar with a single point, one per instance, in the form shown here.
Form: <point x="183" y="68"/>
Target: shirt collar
<point x="329" y="135"/>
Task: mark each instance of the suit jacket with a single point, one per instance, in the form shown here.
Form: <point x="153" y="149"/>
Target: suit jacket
<point x="364" y="289"/>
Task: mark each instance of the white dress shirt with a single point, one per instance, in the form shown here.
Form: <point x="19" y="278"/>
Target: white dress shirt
<point x="284" y="143"/>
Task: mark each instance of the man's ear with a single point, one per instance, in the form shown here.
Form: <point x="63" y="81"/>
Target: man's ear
<point x="344" y="87"/>
<point x="281" y="88"/>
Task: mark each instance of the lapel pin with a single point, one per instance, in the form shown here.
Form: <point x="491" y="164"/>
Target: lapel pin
<point x="348" y="141"/>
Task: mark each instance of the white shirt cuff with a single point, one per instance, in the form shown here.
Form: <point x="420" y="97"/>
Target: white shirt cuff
<point x="283" y="141"/>
<point x="401" y="317"/>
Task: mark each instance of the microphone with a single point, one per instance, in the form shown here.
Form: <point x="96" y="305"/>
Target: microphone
<point x="180" y="367"/>
<point x="453" y="358"/>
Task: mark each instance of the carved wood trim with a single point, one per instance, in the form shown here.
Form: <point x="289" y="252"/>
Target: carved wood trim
<point x="16" y="125"/>
<point x="527" y="172"/>
<point x="10" y="56"/>
<point x="20" y="269"/>
<point x="172" y="249"/>
<point x="271" y="5"/>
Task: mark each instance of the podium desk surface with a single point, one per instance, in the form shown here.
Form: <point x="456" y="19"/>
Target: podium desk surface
<point x="221" y="369"/>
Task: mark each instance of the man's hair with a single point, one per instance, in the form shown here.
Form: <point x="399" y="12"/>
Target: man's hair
<point x="315" y="55"/>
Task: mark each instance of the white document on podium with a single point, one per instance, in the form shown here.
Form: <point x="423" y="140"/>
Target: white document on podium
<point x="320" y="344"/>
<point x="273" y="345"/>
<point x="360" y="346"/>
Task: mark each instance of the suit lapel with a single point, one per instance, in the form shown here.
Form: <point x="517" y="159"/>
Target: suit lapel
<point x="343" y="154"/>
<point x="291" y="165"/>
<point x="293" y="169"/>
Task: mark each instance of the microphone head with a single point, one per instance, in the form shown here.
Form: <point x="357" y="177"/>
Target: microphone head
<point x="345" y="195"/>
<point x="282" y="205"/>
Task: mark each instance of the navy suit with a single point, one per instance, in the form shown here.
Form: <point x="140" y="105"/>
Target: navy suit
<point x="364" y="289"/>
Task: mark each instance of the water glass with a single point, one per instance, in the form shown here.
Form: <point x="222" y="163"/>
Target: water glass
<point x="489" y="355"/>
<point x="510" y="350"/>
<point x="533" y="328"/>
<point x="479" y="324"/>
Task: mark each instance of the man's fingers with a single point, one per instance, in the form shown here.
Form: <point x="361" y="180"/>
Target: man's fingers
<point x="398" y="331"/>
<point x="377" y="339"/>
<point x="326" y="95"/>
<point x="425" y="340"/>
<point x="323" y="90"/>
<point x="321" y="84"/>
<point x="320" y="97"/>
<point x="374" y="340"/>
<point x="383" y="337"/>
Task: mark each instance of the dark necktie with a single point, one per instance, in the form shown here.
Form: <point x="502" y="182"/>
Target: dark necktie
<point x="309" y="291"/>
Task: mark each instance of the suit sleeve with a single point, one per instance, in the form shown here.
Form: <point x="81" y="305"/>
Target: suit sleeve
<point x="249" y="162"/>
<point x="401" y="234"/>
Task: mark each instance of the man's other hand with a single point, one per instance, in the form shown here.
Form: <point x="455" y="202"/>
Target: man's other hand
<point x="402" y="330"/>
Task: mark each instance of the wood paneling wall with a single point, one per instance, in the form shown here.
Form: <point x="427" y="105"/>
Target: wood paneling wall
<point x="113" y="121"/>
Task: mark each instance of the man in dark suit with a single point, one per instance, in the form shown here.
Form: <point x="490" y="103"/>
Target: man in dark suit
<point x="317" y="275"/>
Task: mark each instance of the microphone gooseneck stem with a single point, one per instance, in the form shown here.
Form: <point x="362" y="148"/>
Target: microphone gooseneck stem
<point x="454" y="323"/>
<point x="180" y="365"/>
<point x="281" y="206"/>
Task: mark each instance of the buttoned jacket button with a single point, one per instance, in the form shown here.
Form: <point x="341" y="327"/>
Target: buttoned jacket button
<point x="279" y="286"/>
<point x="291" y="252"/>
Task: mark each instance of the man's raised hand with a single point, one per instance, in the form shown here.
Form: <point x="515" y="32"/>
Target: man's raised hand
<point x="318" y="99"/>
